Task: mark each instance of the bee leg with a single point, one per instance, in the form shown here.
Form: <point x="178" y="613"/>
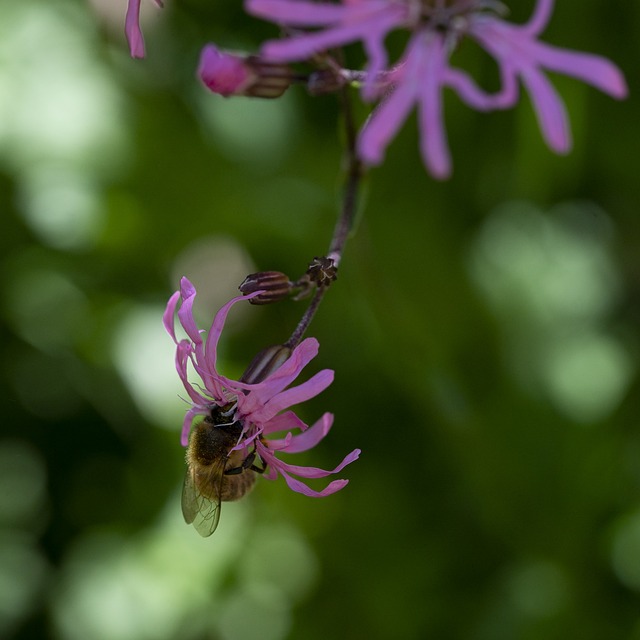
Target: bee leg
<point x="234" y="472"/>
<point x="262" y="469"/>
<point x="247" y="463"/>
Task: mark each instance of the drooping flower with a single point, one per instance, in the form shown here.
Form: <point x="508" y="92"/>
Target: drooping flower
<point x="132" y="28"/>
<point x="262" y="408"/>
<point x="230" y="74"/>
<point x="436" y="27"/>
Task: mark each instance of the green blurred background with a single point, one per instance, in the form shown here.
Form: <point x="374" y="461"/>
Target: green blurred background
<point x="483" y="331"/>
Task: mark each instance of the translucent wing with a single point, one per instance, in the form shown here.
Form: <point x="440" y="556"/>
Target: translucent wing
<point x="202" y="511"/>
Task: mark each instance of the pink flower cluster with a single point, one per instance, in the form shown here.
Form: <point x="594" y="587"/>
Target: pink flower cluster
<point x="263" y="408"/>
<point x="434" y="29"/>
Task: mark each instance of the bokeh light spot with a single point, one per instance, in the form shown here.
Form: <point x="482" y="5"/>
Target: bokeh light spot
<point x="551" y="281"/>
<point x="270" y="616"/>
<point x="62" y="207"/>
<point x="216" y="265"/>
<point x="587" y="375"/>
<point x="62" y="104"/>
<point x="23" y="572"/>
<point x="144" y="354"/>
<point x="539" y="588"/>
<point x="23" y="482"/>
<point x="45" y="307"/>
<point x="625" y="552"/>
<point x="282" y="557"/>
<point x="240" y="126"/>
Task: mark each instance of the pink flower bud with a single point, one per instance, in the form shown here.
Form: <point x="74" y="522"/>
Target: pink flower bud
<point x="230" y="74"/>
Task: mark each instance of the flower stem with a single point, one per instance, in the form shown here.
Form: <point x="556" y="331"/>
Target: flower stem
<point x="305" y="321"/>
<point x="354" y="174"/>
<point x="344" y="223"/>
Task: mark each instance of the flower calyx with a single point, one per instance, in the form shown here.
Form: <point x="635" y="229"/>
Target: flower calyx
<point x="266" y="363"/>
<point x="274" y="286"/>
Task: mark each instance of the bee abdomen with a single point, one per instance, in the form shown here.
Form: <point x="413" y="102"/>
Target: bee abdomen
<point x="236" y="486"/>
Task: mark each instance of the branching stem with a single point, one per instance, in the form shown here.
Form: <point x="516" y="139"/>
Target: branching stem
<point x="344" y="223"/>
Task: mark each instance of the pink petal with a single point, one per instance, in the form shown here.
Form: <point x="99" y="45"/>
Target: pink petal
<point x="433" y="137"/>
<point x="188" y="421"/>
<point x="419" y="78"/>
<point x="368" y="21"/>
<point x="518" y="53"/>
<point x="302" y="488"/>
<point x="594" y="70"/>
<point x="550" y="110"/>
<point x="263" y="391"/>
<point x="310" y="44"/>
<point x="204" y="369"/>
<point x="183" y="354"/>
<point x="478" y="99"/>
<point x="283" y="443"/>
<point x="168" y="317"/>
<point x="384" y="122"/>
<point x="314" y="472"/>
<point x="287" y="421"/>
<point x="215" y="331"/>
<point x="376" y="64"/>
<point x="185" y="313"/>
<point x="270" y="474"/>
<point x="132" y="29"/>
<point x="539" y="19"/>
<point x="293" y="396"/>
<point x="297" y="13"/>
<point x="306" y="440"/>
<point x="251" y="433"/>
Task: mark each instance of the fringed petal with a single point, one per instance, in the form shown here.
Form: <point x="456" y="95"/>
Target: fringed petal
<point x="305" y="440"/>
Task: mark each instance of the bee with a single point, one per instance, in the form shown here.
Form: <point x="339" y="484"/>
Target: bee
<point x="214" y="472"/>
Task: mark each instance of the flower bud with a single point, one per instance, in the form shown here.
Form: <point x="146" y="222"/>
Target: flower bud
<point x="275" y="286"/>
<point x="230" y="74"/>
<point x="265" y="363"/>
<point x="322" y="271"/>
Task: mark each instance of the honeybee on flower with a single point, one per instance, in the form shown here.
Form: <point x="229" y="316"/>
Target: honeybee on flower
<point x="231" y="443"/>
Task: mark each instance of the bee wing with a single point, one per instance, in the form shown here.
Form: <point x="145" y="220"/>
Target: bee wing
<point x="200" y="510"/>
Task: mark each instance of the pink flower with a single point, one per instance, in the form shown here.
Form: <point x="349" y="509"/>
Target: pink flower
<point x="263" y="408"/>
<point x="132" y="28"/>
<point x="436" y="28"/>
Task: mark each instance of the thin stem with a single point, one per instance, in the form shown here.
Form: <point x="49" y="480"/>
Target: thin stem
<point x="344" y="223"/>
<point x="306" y="319"/>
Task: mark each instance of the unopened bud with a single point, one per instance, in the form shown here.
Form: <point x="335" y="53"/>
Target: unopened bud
<point x="230" y="74"/>
<point x="274" y="284"/>
<point x="265" y="363"/>
<point x="322" y="271"/>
